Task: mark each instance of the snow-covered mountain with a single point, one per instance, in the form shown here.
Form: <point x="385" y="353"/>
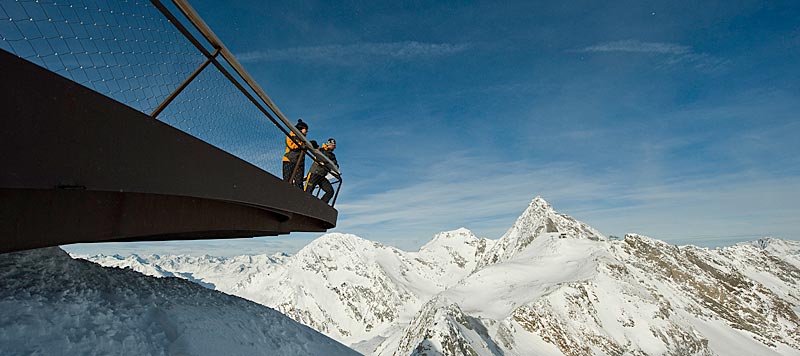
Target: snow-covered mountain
<point x="51" y="304"/>
<point x="539" y="218"/>
<point x="551" y="285"/>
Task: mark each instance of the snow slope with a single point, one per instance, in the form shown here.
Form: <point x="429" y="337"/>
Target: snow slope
<point x="54" y="305"/>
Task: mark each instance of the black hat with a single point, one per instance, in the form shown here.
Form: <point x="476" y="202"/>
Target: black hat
<point x="301" y="125"/>
<point x="331" y="141"/>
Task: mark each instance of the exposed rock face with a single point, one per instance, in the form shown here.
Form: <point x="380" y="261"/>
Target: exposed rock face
<point x="715" y="284"/>
<point x="442" y="328"/>
<point x="551" y="285"/>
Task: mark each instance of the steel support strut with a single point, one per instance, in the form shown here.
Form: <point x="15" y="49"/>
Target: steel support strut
<point x="183" y="85"/>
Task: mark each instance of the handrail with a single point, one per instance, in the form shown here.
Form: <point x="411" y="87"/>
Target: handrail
<point x="195" y="19"/>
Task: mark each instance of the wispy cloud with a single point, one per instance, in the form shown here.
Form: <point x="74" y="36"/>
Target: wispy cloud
<point x="635" y="46"/>
<point x="728" y="208"/>
<point x="352" y="53"/>
<point x="448" y="199"/>
<point x="675" y="53"/>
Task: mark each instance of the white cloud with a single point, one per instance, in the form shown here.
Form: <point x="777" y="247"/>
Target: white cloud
<point x="712" y="211"/>
<point x="638" y="47"/>
<point x="346" y="54"/>
<point x="676" y="53"/>
<point x="468" y="192"/>
<point x="704" y="211"/>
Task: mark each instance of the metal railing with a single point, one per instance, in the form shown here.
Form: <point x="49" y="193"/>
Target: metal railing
<point x="146" y="57"/>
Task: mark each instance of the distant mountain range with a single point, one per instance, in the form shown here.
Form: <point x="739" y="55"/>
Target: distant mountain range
<point x="551" y="285"/>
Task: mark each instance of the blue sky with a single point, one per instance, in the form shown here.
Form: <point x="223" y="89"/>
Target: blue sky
<point x="677" y="120"/>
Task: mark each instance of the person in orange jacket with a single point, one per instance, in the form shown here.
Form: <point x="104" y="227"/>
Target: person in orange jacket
<point x="295" y="157"/>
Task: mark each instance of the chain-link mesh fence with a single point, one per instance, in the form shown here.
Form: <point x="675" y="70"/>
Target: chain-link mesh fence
<point x="130" y="52"/>
<point x="124" y="49"/>
<point x="211" y="106"/>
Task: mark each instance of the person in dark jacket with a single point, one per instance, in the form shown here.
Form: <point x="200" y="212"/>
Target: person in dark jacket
<point x="318" y="172"/>
<point x="295" y="157"/>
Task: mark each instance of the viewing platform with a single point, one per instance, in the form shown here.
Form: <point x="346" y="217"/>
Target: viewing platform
<point x="93" y="154"/>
